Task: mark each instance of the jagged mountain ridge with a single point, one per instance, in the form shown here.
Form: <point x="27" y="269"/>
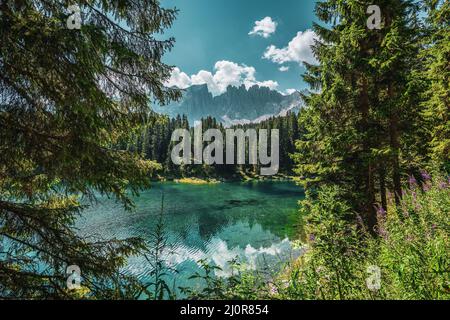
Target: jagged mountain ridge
<point x="235" y="106"/>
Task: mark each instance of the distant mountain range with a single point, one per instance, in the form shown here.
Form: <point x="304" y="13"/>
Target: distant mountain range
<point x="235" y="106"/>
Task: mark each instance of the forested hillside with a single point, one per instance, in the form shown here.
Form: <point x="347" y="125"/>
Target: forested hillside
<point x="153" y="142"/>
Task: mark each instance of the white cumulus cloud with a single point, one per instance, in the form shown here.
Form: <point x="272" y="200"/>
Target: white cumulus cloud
<point x="178" y="79"/>
<point x="297" y="50"/>
<point x="290" y="91"/>
<point x="283" y="68"/>
<point x="264" y="27"/>
<point x="268" y="83"/>
<point x="225" y="73"/>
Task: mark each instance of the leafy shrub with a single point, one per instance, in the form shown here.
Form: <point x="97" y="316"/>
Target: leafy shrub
<point x="411" y="249"/>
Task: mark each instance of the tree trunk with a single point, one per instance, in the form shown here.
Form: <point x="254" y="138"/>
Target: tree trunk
<point x="395" y="147"/>
<point x="369" y="201"/>
<point x="395" y="163"/>
<point x="382" y="174"/>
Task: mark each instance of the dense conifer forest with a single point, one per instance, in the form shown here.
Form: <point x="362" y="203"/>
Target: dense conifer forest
<point x="154" y="143"/>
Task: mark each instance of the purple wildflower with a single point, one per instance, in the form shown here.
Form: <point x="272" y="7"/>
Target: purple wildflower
<point x="412" y="181"/>
<point x="442" y="185"/>
<point x="312" y="237"/>
<point x="417" y="206"/>
<point x="382" y="232"/>
<point x="381" y="211"/>
<point x="425" y="175"/>
<point x="273" y="289"/>
<point x="426" y="186"/>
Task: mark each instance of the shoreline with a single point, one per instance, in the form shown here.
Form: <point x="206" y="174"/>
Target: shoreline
<point x="215" y="180"/>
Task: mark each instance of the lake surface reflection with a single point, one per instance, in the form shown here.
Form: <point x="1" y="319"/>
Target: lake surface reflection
<point x="253" y="222"/>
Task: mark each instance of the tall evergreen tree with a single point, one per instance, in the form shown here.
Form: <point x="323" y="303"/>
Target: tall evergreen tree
<point x="359" y="108"/>
<point x="437" y="99"/>
<point x="67" y="96"/>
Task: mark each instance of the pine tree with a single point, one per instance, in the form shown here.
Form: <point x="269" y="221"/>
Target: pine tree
<point x="437" y="96"/>
<point x="398" y="96"/>
<point x="66" y="97"/>
<point x="361" y="109"/>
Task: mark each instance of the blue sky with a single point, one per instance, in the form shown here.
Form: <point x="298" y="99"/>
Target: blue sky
<point x="213" y="44"/>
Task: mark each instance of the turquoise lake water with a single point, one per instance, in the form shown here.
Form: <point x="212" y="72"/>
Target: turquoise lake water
<point x="254" y="222"/>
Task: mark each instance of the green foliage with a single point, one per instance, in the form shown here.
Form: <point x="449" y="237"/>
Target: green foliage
<point x="333" y="265"/>
<point x="67" y="96"/>
<point x="336" y="248"/>
<point x="158" y="288"/>
<point x="363" y="128"/>
<point x="381" y="114"/>
<point x="437" y="73"/>
<point x="411" y="249"/>
<point x="242" y="284"/>
<point x="153" y="142"/>
<point x="414" y="252"/>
